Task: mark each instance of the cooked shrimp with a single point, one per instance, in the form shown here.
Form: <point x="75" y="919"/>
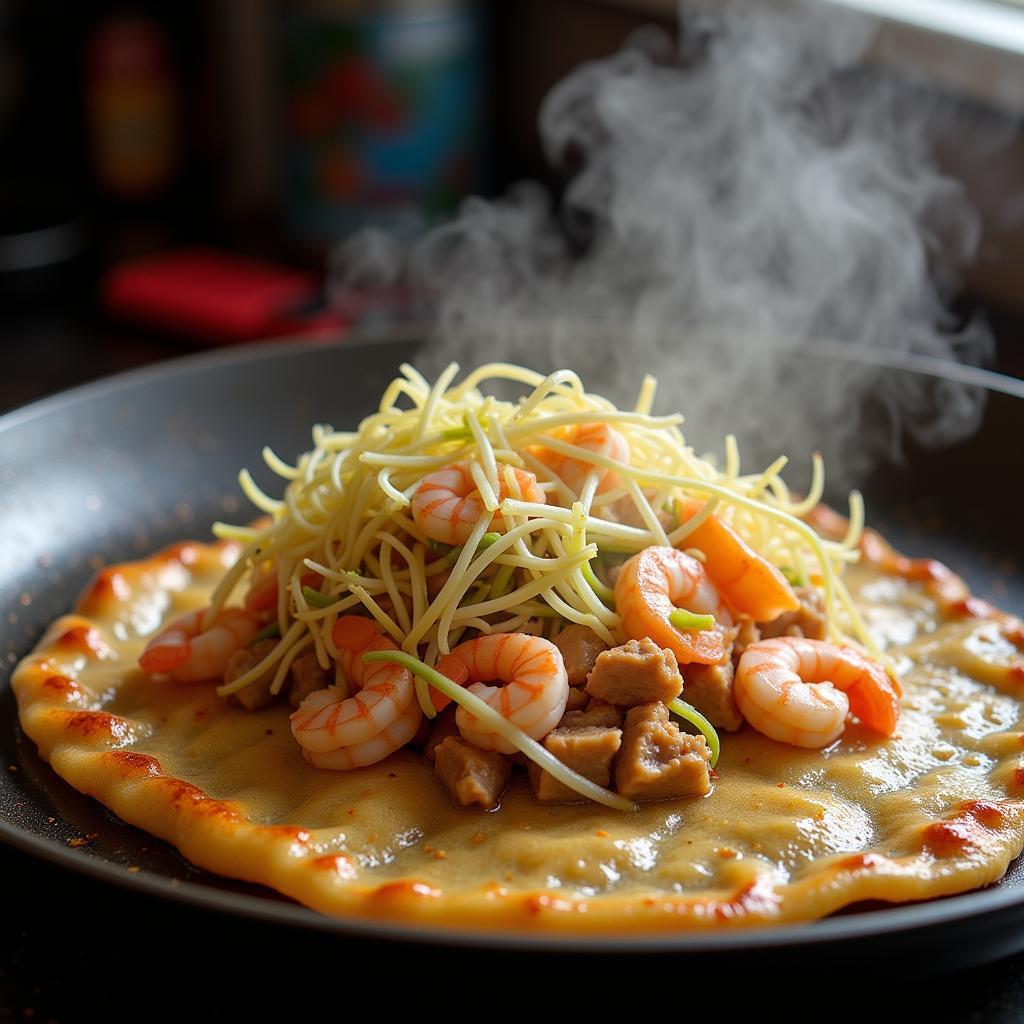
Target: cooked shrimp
<point x="447" y="504"/>
<point x="188" y="654"/>
<point x="375" y="749"/>
<point x="652" y="585"/>
<point x="750" y="584"/>
<point x="799" y="691"/>
<point x="326" y="721"/>
<point x="536" y="686"/>
<point x="594" y="437"/>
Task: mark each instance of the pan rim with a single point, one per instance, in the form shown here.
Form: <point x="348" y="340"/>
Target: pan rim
<point x="925" y="365"/>
<point x="271" y="909"/>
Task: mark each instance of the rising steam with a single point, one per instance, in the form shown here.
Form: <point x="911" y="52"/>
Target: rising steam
<point x="746" y="192"/>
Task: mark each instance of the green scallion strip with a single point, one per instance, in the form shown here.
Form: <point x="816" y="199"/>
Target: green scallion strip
<point x="423" y="697"/>
<point x="457" y="434"/>
<point x="479" y="593"/>
<point x="794" y="576"/>
<point x="694" y="717"/>
<point x="504" y="728"/>
<point x="271" y="632"/>
<point x="437" y="547"/>
<point x="619" y="554"/>
<point x="453" y="556"/>
<point x="316" y="599"/>
<point x="502" y="578"/>
<point x="602" y="590"/>
<point x="684" y="620"/>
<point x="485" y="542"/>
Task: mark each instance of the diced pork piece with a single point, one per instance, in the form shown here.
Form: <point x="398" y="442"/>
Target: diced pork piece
<point x="808" y="621"/>
<point x="657" y="760"/>
<point x="441" y="728"/>
<point x="746" y="632"/>
<point x="306" y="676"/>
<point x="580" y="647"/>
<point x="709" y="689"/>
<point x="472" y="775"/>
<point x="597" y="712"/>
<point x="257" y="694"/>
<point x="589" y="751"/>
<point x="636" y="673"/>
<point x="578" y="699"/>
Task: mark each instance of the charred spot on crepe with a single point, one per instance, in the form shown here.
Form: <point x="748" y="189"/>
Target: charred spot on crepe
<point x="448" y="544"/>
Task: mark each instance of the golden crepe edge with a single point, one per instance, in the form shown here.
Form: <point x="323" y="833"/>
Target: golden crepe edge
<point x="92" y="750"/>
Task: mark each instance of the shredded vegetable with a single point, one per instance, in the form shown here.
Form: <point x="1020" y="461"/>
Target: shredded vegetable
<point x="271" y="632"/>
<point x="504" y="728"/>
<point x="682" y="619"/>
<point x="690" y="714"/>
<point x="316" y="599"/>
<point x="485" y="542"/>
<point x="528" y="560"/>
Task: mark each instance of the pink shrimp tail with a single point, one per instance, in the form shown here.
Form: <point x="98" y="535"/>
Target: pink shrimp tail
<point x="166" y="655"/>
<point x="354" y="633"/>
<point x="355" y="636"/>
<point x="875" y="699"/>
<point x="457" y="671"/>
<point x="262" y="599"/>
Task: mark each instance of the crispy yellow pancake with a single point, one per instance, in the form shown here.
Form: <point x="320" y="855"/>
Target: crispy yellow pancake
<point x="786" y="834"/>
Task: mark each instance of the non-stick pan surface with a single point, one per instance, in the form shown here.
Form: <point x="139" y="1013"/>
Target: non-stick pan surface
<point x="116" y="469"/>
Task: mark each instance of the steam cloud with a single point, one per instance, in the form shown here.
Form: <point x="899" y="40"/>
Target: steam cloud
<point x="749" y="191"/>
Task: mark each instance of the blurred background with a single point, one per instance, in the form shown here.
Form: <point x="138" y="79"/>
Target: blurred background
<point x="177" y="176"/>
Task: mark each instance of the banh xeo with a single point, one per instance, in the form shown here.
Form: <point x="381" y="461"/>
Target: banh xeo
<point x="551" y="578"/>
<point x="601" y="620"/>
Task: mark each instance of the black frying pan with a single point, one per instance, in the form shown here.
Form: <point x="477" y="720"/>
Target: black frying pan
<point x="116" y="469"/>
